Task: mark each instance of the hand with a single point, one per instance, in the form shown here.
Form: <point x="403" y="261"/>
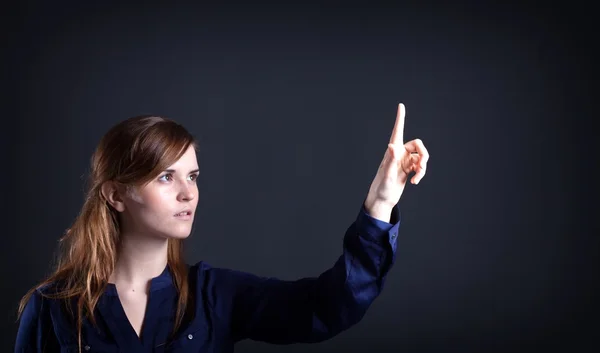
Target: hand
<point x="399" y="161"/>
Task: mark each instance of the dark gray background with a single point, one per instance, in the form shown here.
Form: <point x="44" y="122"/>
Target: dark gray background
<point x="293" y="106"/>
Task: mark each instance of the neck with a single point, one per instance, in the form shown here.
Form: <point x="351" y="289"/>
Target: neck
<point x="140" y="259"/>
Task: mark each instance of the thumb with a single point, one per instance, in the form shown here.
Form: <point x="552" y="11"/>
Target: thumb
<point x="396" y="159"/>
<point x="394" y="152"/>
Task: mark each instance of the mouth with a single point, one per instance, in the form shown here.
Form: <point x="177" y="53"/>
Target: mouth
<point x="186" y="214"/>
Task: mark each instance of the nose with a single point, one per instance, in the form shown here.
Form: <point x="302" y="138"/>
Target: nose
<point x="186" y="193"/>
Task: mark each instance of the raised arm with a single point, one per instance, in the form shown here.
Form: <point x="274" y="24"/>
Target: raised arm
<point x="315" y="309"/>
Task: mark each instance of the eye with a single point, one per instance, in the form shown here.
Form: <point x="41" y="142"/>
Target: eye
<point x="194" y="177"/>
<point x="166" y="175"/>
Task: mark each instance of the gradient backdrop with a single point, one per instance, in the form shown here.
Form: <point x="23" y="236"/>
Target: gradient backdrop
<point x="293" y="106"/>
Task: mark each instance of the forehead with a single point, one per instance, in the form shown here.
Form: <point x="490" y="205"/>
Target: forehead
<point x="187" y="160"/>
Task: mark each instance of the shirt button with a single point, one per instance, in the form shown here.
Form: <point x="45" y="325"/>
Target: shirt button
<point x="190" y="336"/>
<point x="393" y="235"/>
<point x="87" y="348"/>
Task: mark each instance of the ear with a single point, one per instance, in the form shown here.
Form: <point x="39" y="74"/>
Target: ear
<point x="113" y="194"/>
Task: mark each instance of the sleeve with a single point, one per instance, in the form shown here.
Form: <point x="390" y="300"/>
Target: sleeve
<point x="315" y="309"/>
<point x="35" y="332"/>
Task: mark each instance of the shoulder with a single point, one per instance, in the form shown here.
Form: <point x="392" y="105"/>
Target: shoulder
<point x="37" y="319"/>
<point x="207" y="275"/>
<point x="222" y="284"/>
<point x="41" y="298"/>
<point x="37" y="303"/>
<point x="219" y="276"/>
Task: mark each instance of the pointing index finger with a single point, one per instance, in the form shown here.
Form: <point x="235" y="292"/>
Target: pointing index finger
<point x="398" y="132"/>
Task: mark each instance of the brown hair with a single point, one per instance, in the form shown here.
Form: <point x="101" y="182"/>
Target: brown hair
<point x="133" y="152"/>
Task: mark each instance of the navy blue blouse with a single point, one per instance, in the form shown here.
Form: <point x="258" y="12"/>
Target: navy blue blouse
<point x="230" y="305"/>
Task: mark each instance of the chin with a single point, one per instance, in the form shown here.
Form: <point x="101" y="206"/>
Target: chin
<point x="179" y="236"/>
<point x="176" y="233"/>
<point x="178" y="230"/>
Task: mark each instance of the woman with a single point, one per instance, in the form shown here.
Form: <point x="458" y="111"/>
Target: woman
<point x="121" y="283"/>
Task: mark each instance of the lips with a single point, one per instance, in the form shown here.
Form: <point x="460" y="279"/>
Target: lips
<point x="186" y="212"/>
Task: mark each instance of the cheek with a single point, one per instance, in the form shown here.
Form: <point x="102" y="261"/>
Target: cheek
<point x="158" y="202"/>
<point x="151" y="201"/>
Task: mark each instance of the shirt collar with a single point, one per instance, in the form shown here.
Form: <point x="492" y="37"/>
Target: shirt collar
<point x="164" y="280"/>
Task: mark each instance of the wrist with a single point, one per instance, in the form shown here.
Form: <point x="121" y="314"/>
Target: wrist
<point x="378" y="209"/>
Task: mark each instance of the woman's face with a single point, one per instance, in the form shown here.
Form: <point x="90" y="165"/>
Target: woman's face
<point x="156" y="208"/>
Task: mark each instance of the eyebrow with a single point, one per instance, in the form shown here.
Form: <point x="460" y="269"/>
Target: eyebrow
<point x="174" y="171"/>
